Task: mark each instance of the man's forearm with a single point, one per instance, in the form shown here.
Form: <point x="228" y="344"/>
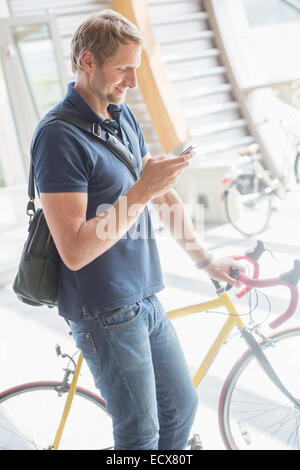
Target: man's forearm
<point x="174" y="216"/>
<point x="181" y="227"/>
<point x="97" y="235"/>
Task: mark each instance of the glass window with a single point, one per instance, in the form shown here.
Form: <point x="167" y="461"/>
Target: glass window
<point x="264" y="12"/>
<point x="4" y="11"/>
<point x="38" y="58"/>
<point x="294" y="3"/>
<point x="9" y="144"/>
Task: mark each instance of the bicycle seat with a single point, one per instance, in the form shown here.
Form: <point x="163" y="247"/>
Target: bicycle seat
<point x="251" y="150"/>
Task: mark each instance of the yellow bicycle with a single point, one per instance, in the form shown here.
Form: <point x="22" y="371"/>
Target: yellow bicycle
<point x="259" y="406"/>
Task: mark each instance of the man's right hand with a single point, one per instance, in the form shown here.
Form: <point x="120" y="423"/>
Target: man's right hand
<point x="161" y="173"/>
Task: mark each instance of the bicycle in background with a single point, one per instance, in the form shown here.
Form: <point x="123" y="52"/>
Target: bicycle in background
<point x="259" y="405"/>
<point x="250" y="190"/>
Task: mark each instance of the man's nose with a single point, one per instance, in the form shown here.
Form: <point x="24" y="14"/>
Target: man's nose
<point x="131" y="79"/>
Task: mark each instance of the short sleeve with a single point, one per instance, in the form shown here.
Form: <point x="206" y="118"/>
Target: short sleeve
<point x="60" y="160"/>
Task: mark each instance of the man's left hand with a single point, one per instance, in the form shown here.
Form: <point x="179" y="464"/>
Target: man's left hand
<point x="219" y="270"/>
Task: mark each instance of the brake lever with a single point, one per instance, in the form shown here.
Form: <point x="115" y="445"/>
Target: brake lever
<point x="218" y="287"/>
<point x="234" y="273"/>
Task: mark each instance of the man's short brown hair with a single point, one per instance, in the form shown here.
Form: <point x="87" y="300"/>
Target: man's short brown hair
<point x="102" y="33"/>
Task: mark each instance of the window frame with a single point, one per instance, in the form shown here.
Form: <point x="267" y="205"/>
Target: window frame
<point x="18" y="88"/>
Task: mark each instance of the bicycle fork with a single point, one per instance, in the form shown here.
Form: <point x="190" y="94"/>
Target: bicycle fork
<point x="266" y="366"/>
<point x="68" y="404"/>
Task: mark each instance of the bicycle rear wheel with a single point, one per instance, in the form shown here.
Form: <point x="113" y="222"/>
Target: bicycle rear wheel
<point x="248" y="205"/>
<point x="253" y="413"/>
<point x="30" y="415"/>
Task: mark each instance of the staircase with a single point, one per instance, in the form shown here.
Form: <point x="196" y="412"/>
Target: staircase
<point x="196" y="71"/>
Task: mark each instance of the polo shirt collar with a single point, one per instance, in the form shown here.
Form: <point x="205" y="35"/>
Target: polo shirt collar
<point x="115" y="112"/>
<point x="84" y="108"/>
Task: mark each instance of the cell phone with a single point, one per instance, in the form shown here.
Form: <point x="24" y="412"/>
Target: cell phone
<point x="187" y="150"/>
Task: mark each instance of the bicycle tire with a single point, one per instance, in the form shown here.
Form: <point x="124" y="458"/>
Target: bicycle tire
<point x="30" y="415"/>
<point x="253" y="413"/>
<point x="297" y="168"/>
<point x="246" y="216"/>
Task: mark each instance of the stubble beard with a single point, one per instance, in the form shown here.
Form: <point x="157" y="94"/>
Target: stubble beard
<point x="109" y="98"/>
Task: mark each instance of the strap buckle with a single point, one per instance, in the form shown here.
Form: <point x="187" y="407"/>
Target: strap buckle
<point x="30" y="209"/>
<point x="96" y="130"/>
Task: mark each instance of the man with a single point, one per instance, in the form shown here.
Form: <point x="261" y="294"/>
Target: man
<point x="108" y="283"/>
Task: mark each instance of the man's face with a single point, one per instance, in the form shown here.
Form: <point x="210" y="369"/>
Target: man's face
<point x="112" y="80"/>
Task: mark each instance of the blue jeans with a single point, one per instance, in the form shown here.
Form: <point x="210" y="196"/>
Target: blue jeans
<point x="138" y="365"/>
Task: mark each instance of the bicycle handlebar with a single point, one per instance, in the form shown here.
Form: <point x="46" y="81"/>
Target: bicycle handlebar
<point x="251" y="256"/>
<point x="289" y="279"/>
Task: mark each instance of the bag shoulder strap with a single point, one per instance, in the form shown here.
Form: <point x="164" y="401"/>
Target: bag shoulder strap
<point x="108" y="140"/>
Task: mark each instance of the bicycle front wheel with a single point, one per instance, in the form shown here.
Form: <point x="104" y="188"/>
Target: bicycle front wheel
<point x="30" y="415"/>
<point x="253" y="413"/>
<point x="248" y="205"/>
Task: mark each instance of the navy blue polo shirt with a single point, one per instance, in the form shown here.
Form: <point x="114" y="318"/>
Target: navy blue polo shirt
<point x="68" y="159"/>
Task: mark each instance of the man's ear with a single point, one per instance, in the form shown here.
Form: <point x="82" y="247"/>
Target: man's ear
<point x="87" y="61"/>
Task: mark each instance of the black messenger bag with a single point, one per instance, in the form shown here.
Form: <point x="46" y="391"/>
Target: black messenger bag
<point x="36" y="282"/>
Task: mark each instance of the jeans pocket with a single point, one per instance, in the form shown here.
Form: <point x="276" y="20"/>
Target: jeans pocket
<point x="122" y="316"/>
<point x="84" y="342"/>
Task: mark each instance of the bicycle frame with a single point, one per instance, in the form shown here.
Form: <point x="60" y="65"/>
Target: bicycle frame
<point x="233" y="320"/>
<point x="262" y="173"/>
<point x="283" y="174"/>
